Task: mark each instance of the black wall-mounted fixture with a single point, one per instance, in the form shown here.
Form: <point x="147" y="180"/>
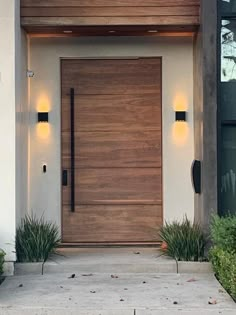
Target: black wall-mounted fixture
<point x="42" y="117"/>
<point x="180" y="116"/>
<point x="64" y="177"/>
<point x="44" y="168"/>
<point x="196" y="176"/>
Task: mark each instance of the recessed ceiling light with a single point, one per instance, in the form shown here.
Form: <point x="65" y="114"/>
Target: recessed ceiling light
<point x="152" y="31"/>
<point x="67" y="32"/>
<point x="112" y="31"/>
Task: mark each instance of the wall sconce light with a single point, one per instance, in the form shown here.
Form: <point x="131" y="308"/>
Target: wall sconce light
<point x="180" y="116"/>
<point x="42" y="117"/>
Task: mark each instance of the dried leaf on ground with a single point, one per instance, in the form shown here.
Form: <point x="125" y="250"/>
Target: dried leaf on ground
<point x="192" y="280"/>
<point x="212" y="301"/>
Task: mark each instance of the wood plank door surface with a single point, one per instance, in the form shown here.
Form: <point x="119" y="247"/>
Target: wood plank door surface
<point x="117" y="150"/>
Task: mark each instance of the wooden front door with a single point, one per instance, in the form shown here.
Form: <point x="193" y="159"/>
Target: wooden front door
<point x="111" y="124"/>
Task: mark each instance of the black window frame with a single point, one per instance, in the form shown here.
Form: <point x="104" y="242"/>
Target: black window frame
<point x="221" y="15"/>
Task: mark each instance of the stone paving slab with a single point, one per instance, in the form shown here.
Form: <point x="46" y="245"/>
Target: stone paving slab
<point x="186" y="312"/>
<point x="194" y="267"/>
<point x="65" y="311"/>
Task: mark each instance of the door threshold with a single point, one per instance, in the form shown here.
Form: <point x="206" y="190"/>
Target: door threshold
<point x="109" y="245"/>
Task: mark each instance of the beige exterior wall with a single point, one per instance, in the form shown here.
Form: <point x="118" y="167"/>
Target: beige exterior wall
<point x="177" y="92"/>
<point x="14" y="127"/>
<point x="7" y="123"/>
<point x="22" y="126"/>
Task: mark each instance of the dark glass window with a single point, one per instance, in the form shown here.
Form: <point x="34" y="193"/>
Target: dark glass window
<point x="228" y="170"/>
<point x="227" y="176"/>
<point x="228" y="50"/>
<point x="228" y="69"/>
<point x="228" y="6"/>
<point x="228" y="101"/>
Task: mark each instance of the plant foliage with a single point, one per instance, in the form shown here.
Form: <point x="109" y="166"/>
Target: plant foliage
<point x="223" y="252"/>
<point x="224" y="265"/>
<point x="184" y="241"/>
<point x="36" y="239"/>
<point x="223" y="232"/>
<point x="2" y="255"/>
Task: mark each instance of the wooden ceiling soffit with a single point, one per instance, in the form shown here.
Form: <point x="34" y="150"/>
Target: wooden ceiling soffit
<point x="57" y="16"/>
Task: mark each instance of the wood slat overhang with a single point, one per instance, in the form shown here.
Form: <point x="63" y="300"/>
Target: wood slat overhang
<point x="107" y="17"/>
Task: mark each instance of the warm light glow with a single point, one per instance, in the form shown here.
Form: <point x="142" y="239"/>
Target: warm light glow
<point x="180" y="102"/>
<point x="180" y="133"/>
<point x="180" y="130"/>
<point x="43" y="130"/>
<point x="43" y="103"/>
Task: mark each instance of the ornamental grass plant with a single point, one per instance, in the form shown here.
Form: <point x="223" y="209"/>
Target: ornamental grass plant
<point x="36" y="239"/>
<point x="183" y="241"/>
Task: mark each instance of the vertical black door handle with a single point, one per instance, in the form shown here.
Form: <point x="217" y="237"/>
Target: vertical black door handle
<point x="64" y="178"/>
<point x="72" y="148"/>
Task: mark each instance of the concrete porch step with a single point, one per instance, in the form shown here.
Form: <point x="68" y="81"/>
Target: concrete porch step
<point x="110" y="260"/>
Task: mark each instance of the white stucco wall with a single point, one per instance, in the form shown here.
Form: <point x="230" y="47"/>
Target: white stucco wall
<point x="14" y="126"/>
<point x="7" y="123"/>
<point x="177" y="53"/>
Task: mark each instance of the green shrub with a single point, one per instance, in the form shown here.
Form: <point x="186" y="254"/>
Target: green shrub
<point x="2" y="255"/>
<point x="36" y="239"/>
<point x="184" y="241"/>
<point x="224" y="265"/>
<point x="223" y="232"/>
<point x="223" y="252"/>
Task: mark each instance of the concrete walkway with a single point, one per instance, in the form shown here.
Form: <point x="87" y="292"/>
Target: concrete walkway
<point x="101" y="293"/>
<point x="108" y="293"/>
